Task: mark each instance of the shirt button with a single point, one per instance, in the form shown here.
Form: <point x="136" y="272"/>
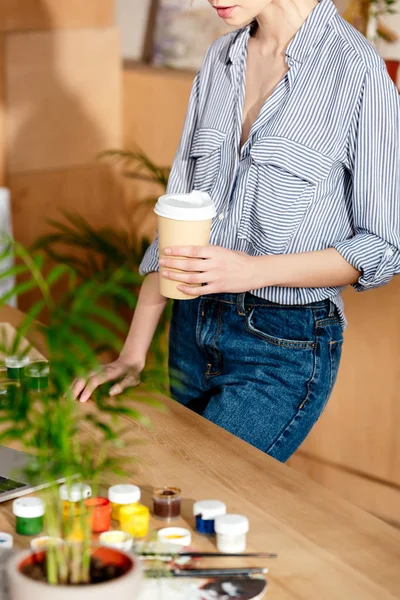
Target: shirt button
<point x="221" y="216"/>
<point x="389" y="252"/>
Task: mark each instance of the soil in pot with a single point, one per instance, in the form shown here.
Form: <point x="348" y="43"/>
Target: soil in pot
<point x="105" y="565"/>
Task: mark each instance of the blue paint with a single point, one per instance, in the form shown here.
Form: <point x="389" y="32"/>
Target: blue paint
<point x="205" y="526"/>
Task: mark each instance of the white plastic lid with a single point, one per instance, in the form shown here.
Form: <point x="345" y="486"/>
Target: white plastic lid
<point x="28" y="508"/>
<point x="196" y="206"/>
<point x="209" y="509"/>
<point x="6" y="541"/>
<point x="175" y="535"/>
<point x="124" y="494"/>
<point x="44" y="541"/>
<point x="117" y="539"/>
<point x="75" y="492"/>
<point x="236" y="524"/>
<point x="16" y="362"/>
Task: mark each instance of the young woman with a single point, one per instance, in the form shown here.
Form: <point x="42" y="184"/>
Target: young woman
<point x="293" y="130"/>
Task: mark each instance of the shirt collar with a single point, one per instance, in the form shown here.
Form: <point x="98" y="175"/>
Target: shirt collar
<point x="305" y="40"/>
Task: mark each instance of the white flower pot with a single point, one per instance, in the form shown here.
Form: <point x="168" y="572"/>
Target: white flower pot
<point x="126" y="587"/>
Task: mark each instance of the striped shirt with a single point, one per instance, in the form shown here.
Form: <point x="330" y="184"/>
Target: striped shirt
<point x="321" y="166"/>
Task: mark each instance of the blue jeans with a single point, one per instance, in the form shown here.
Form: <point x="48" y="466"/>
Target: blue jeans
<point x="260" y="370"/>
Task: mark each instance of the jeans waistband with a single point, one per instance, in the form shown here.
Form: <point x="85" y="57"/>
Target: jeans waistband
<point x="246" y="300"/>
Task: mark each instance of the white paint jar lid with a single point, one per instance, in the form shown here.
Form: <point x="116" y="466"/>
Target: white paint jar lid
<point x="234" y="524"/>
<point x="117" y="539"/>
<point x="124" y="494"/>
<point x="209" y="509"/>
<point x="75" y="492"/>
<point x="6" y="541"/>
<point x="28" y="508"/>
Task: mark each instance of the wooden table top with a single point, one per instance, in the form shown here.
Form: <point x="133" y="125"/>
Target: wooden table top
<point x="328" y="549"/>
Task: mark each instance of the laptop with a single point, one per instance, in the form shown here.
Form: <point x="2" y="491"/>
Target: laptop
<point x="12" y="481"/>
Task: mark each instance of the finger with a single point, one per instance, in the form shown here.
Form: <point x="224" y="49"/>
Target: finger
<point x="184" y="265"/>
<point x="94" y="383"/>
<point x="77" y="387"/>
<point x="187" y="277"/>
<point x="190" y="251"/>
<point x="128" y="381"/>
<point x="198" y="291"/>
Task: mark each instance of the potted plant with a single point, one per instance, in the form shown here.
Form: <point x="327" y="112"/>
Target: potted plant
<point x="64" y="440"/>
<point x="99" y="252"/>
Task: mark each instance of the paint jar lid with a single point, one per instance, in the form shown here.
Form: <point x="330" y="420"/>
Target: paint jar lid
<point x="167" y="494"/>
<point x="209" y="509"/>
<point x="175" y="535"/>
<point x="117" y="539"/>
<point x="38" y="368"/>
<point x="231" y="524"/>
<point x="44" y="541"/>
<point x="16" y="362"/>
<point x="75" y="492"/>
<point x="124" y="494"/>
<point x="6" y="541"/>
<point x="28" y="508"/>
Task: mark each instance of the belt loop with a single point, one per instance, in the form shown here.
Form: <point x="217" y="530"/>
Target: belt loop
<point x="332" y="308"/>
<point x="240" y="304"/>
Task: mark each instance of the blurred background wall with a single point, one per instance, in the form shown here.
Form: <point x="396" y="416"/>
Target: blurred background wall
<point x="71" y="86"/>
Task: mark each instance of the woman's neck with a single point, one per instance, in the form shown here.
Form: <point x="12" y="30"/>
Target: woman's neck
<point x="279" y="23"/>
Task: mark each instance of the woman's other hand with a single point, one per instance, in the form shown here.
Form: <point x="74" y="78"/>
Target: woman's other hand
<point x="126" y="375"/>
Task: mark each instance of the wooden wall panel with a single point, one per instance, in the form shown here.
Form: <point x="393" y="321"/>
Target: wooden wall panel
<point x="95" y="191"/>
<point x="65" y="101"/>
<point x="360" y="427"/>
<point x="18" y="15"/>
<point x="3" y="142"/>
<point x="155" y="104"/>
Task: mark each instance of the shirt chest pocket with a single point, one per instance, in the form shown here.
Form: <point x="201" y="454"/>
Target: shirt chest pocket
<point x="206" y="152"/>
<point x="282" y="180"/>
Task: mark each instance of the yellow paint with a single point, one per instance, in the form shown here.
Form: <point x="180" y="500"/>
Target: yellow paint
<point x="135" y="519"/>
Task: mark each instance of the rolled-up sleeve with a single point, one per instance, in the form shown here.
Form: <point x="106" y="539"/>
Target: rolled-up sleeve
<point x="374" y="157"/>
<point x="181" y="177"/>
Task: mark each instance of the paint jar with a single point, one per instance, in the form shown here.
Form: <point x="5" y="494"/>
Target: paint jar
<point x="6" y="541"/>
<point x="100" y="511"/>
<point x="122" y="495"/>
<point x="73" y="510"/>
<point x="43" y="542"/>
<point x="205" y="512"/>
<point x="8" y="390"/>
<point x="29" y="513"/>
<point x="117" y="539"/>
<point x="134" y="519"/>
<point x="167" y="503"/>
<point x="37" y="375"/>
<point x="175" y="535"/>
<point x="16" y="366"/>
<point x="231" y="533"/>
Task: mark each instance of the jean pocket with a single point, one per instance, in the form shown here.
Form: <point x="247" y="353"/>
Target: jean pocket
<point x="335" y="353"/>
<point x="282" y="180"/>
<point x="206" y="151"/>
<point x="281" y="326"/>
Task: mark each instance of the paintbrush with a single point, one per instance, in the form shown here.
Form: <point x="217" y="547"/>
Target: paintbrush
<point x="209" y="554"/>
<point x="207" y="573"/>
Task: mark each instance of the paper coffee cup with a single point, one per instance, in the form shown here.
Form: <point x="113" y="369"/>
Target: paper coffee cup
<point x="183" y="220"/>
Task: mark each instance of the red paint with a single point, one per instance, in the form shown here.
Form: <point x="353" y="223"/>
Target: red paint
<point x="108" y="556"/>
<point x="393" y="69"/>
<point x="100" y="509"/>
